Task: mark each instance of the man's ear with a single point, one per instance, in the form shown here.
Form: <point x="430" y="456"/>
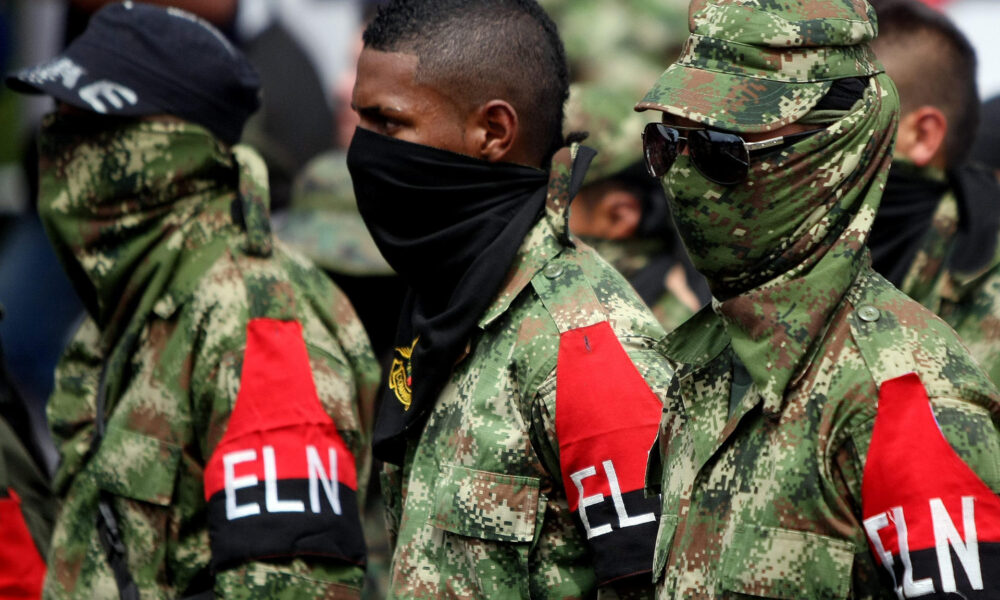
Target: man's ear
<point x="495" y="129"/>
<point x="921" y="136"/>
<point x="621" y="212"/>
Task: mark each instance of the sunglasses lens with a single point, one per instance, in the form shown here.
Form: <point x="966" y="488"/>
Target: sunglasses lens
<point x="720" y="157"/>
<point x="659" y="144"/>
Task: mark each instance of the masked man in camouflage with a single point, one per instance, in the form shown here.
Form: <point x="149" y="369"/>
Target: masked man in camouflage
<point x="937" y="232"/>
<point x="517" y="416"/>
<point x="825" y="436"/>
<point x="210" y="412"/>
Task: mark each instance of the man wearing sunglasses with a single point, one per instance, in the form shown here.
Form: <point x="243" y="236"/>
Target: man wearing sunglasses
<point x="824" y="436"/>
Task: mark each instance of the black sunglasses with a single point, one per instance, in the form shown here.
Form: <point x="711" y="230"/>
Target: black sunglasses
<point x="721" y="157"/>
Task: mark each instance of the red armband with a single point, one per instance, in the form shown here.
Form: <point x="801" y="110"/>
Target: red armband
<point x="606" y="421"/>
<point x="930" y="521"/>
<point x="281" y="483"/>
<point x="22" y="569"/>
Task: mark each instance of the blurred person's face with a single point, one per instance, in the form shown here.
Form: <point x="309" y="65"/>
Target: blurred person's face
<point x="391" y="102"/>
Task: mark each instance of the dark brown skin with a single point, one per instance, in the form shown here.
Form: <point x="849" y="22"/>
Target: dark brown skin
<point x="391" y="100"/>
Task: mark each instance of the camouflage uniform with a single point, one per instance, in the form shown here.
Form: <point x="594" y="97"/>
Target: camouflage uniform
<point x="180" y="276"/>
<point x="785" y="467"/>
<point x="968" y="300"/>
<point x="603" y="112"/>
<point x="485" y="503"/>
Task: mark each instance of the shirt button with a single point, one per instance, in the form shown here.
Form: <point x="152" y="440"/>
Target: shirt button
<point x="552" y="270"/>
<point x="869" y="313"/>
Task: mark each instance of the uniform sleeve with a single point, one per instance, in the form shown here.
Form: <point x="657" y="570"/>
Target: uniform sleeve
<point x="928" y="472"/>
<point x="282" y="482"/>
<point x="601" y="417"/>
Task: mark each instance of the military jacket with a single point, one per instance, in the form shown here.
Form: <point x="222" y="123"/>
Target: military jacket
<point x="968" y="300"/>
<point x="771" y="494"/>
<point x="236" y="431"/>
<point x="525" y="482"/>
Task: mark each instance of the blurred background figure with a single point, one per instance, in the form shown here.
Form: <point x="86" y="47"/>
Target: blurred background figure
<point x="936" y="233"/>
<point x="323" y="223"/>
<point x="614" y="50"/>
<point x="622" y="212"/>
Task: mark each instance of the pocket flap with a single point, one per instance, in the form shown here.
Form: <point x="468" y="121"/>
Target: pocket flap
<point x="783" y="563"/>
<point x="664" y="540"/>
<point x="490" y="506"/>
<point x="136" y="466"/>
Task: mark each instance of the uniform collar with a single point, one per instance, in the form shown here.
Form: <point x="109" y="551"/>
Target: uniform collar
<point x="551" y="235"/>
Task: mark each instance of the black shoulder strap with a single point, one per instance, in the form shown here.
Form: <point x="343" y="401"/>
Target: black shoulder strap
<point x="107" y="523"/>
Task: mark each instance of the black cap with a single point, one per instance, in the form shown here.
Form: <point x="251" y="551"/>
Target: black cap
<point x="135" y="59"/>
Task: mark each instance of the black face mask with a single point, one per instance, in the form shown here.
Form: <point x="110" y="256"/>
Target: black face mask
<point x="904" y="216"/>
<point x="450" y="225"/>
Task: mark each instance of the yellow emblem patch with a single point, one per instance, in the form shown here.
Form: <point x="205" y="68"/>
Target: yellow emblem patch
<point x="401" y="375"/>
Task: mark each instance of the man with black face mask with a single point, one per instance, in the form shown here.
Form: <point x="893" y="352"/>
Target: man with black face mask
<point x="825" y="436"/>
<point x="517" y="415"/>
<point x="937" y="230"/>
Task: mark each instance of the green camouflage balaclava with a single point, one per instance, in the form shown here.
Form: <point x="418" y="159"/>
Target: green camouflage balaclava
<point x="118" y="197"/>
<point x="780" y="249"/>
<point x="795" y="203"/>
<point x="753" y="67"/>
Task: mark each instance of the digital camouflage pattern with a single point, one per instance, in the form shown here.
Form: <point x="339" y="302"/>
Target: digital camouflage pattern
<point x="173" y="261"/>
<point x="968" y="301"/>
<point x="323" y="221"/>
<point x="756" y="65"/>
<point x="763" y="443"/>
<point x="479" y="508"/>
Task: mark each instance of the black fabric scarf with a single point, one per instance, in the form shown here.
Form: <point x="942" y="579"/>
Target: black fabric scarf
<point x="978" y="195"/>
<point x="450" y="225"/>
<point x="904" y="216"/>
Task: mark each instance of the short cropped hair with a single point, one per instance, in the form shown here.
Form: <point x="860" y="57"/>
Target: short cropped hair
<point x="479" y="50"/>
<point x="932" y="64"/>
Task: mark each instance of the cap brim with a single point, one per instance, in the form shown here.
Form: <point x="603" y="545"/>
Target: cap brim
<point x="731" y="102"/>
<point x="336" y="241"/>
<point x="75" y="78"/>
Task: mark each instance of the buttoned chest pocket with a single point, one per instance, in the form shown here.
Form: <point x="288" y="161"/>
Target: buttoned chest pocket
<point x="489" y="521"/>
<point x="769" y="562"/>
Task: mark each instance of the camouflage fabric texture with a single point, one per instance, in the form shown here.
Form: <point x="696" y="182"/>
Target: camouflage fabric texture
<point x="766" y="431"/>
<point x="629" y="257"/>
<point x="968" y="301"/>
<point x="479" y="508"/>
<point x="762" y="496"/>
<point x="756" y="65"/>
<point x="603" y="111"/>
<point x="176" y="260"/>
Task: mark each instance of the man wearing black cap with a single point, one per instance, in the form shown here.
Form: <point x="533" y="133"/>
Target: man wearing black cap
<point x="210" y="412"/>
